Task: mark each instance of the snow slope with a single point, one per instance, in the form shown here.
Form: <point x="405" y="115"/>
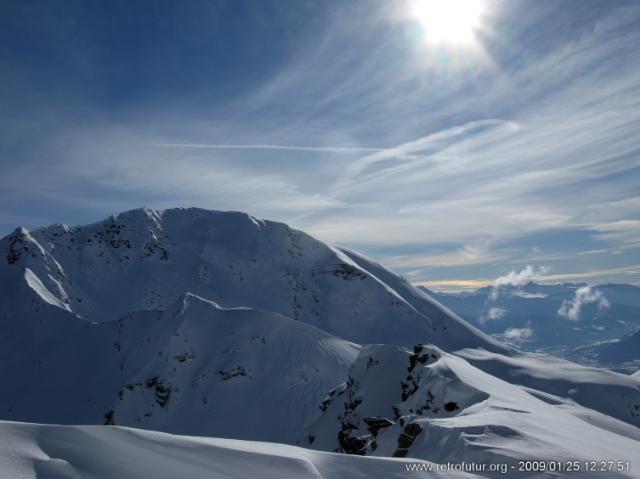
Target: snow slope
<point x="195" y="368"/>
<point x="29" y="451"/>
<point x="614" y="394"/>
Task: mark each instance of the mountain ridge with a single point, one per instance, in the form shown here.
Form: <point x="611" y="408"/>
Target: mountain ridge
<point x="219" y="324"/>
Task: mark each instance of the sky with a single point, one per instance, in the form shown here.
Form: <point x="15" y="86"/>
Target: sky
<point x="455" y="146"/>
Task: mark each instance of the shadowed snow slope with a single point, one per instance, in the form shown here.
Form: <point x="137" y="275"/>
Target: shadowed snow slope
<point x="30" y="451"/>
<point x="195" y="368"/>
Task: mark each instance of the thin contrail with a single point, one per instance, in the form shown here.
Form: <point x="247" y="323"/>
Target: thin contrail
<point x="331" y="149"/>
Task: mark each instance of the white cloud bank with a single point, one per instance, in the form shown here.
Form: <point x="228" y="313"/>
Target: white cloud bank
<point x="517" y="279"/>
<point x="493" y="314"/>
<point x="572" y="309"/>
<point x="519" y="334"/>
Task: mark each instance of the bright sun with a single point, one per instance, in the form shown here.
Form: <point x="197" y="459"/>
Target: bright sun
<point x="449" y="21"/>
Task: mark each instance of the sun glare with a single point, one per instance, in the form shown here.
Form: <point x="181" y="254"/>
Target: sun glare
<point x="449" y="21"/>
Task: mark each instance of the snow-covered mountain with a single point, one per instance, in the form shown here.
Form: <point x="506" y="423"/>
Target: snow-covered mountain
<point x="195" y="322"/>
<point x="145" y="259"/>
<point x="212" y="323"/>
<point x="625" y="350"/>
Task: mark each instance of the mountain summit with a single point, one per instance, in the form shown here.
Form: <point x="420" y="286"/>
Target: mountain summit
<point x="145" y="259"/>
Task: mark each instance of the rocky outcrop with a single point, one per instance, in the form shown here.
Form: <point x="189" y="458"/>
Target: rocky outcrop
<point x="374" y="417"/>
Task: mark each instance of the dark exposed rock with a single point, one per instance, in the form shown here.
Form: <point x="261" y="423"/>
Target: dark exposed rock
<point x="117" y="243"/>
<point x="421" y="355"/>
<point x="326" y="402"/>
<point x="235" y="372"/>
<point x="409" y="389"/>
<point x="352" y="405"/>
<point x="162" y="394"/>
<point x="352" y="445"/>
<point x="372" y="362"/>
<point x="400" y="453"/>
<point x="162" y="390"/>
<point x="428" y="404"/>
<point x="376" y="423"/>
<point x="17" y="246"/>
<point x="346" y="272"/>
<point x="396" y="412"/>
<point x="406" y="439"/>
<point x="151" y="382"/>
<point x="181" y="358"/>
<point x="451" y="406"/>
<point x="108" y="418"/>
<point x="329" y="398"/>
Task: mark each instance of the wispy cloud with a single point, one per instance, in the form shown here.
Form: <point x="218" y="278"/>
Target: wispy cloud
<point x="221" y="146"/>
<point x="362" y="136"/>
<point x="597" y="275"/>
<point x="624" y="274"/>
<point x="623" y="232"/>
<point x="455" y="285"/>
<point x="466" y="255"/>
<point x="427" y="146"/>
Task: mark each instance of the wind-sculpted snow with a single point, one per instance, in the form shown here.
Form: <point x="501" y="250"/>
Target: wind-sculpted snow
<point x="30" y="451"/>
<point x="614" y="394"/>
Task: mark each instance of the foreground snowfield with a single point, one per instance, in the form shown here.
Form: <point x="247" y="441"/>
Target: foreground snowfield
<point x="103" y="452"/>
<point x="30" y="451"/>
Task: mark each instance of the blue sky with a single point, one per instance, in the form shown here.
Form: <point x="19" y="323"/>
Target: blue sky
<point x="452" y="163"/>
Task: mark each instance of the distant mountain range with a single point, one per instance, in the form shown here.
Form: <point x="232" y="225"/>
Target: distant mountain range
<point x="590" y="324"/>
<point x="211" y="323"/>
